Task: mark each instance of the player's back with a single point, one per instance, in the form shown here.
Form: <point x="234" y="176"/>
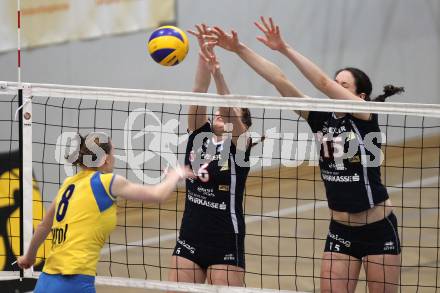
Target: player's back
<point x="85" y="215"/>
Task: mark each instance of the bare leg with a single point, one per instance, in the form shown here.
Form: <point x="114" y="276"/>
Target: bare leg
<point x="184" y="270"/>
<point x="383" y="272"/>
<point x="226" y="275"/>
<point x="339" y="272"/>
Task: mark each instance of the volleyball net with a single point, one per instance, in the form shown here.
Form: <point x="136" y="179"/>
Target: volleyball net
<point x="285" y="207"/>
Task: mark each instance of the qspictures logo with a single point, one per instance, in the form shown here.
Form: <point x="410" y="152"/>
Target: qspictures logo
<point x="155" y="145"/>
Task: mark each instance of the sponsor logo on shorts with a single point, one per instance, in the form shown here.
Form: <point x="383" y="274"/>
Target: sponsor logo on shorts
<point x="336" y="237"/>
<point x="389" y="246"/>
<point x="229" y="256"/>
<point x="186" y="245"/>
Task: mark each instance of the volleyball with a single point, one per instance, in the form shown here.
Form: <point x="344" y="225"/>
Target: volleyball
<point x="168" y="45"/>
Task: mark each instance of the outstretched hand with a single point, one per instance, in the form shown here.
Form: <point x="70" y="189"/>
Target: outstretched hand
<point x="182" y="172"/>
<point x="226" y="41"/>
<point x="202" y="34"/>
<point x="207" y="53"/>
<point x="207" y="40"/>
<point x="272" y="36"/>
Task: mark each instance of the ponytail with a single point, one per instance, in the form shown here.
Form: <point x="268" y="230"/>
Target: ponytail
<point x="388" y="91"/>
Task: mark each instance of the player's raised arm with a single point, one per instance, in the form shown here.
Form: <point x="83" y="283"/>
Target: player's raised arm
<point x="232" y="116"/>
<point x="272" y="38"/>
<point x="197" y="115"/>
<point x="266" y="69"/>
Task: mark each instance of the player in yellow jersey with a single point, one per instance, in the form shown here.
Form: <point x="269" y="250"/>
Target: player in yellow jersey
<point x="83" y="214"/>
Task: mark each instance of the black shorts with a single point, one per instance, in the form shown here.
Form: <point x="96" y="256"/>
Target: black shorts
<point x="372" y="239"/>
<point x="208" y="250"/>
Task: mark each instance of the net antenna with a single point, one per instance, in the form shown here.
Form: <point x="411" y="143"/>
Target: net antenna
<point x="24" y="112"/>
<point x="19" y="42"/>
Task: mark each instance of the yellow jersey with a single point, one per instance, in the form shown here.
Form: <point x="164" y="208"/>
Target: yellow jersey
<point x="85" y="215"/>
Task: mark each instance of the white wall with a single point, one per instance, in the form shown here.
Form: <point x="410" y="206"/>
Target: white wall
<point x="393" y="41"/>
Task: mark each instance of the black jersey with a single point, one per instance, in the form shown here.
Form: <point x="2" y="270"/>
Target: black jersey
<point x="214" y="199"/>
<point x="349" y="160"/>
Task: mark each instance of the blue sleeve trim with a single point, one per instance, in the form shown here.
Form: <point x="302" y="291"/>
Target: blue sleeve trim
<point x="110" y="188"/>
<point x="103" y="200"/>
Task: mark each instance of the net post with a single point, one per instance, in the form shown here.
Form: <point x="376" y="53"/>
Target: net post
<point x="26" y="184"/>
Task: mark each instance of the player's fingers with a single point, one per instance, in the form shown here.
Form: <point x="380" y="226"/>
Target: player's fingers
<point x="209" y="47"/>
<point x="258" y="25"/>
<point x="262" y="39"/>
<point x="23" y="265"/>
<point x="216" y="33"/>
<point x="263" y="20"/>
<point x="207" y="30"/>
<point x="234" y="35"/>
<point x="193" y="33"/>
<point x="199" y="29"/>
<point x="272" y="26"/>
<point x="206" y="51"/>
<point x="219" y="31"/>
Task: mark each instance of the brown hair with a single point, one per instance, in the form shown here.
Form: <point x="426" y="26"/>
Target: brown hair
<point x="364" y="85"/>
<point x="246" y="117"/>
<point x="106" y="146"/>
<point x="388" y="91"/>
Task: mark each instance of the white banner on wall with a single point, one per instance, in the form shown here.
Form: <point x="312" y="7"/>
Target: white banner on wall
<point x="46" y="22"/>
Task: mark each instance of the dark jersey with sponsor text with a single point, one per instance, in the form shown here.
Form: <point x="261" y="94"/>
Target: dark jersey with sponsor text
<point x="349" y="159"/>
<point x="214" y="198"/>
